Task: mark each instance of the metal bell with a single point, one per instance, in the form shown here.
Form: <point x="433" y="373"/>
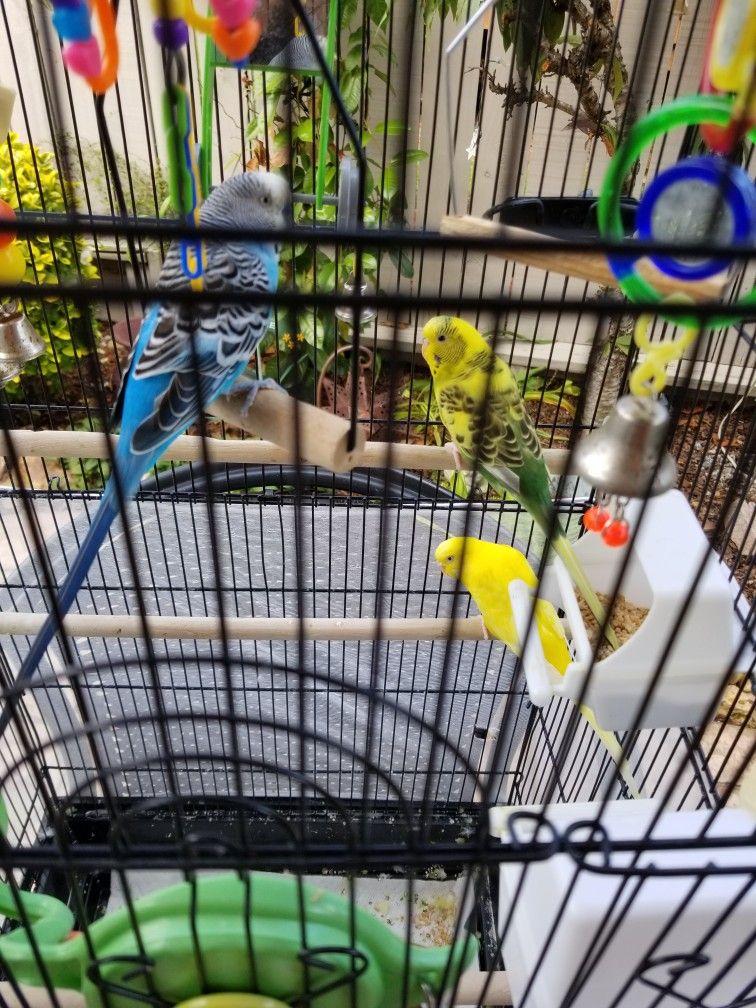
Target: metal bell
<point x="344" y="313"/>
<point x="19" y="341"/>
<point x="621" y="457"/>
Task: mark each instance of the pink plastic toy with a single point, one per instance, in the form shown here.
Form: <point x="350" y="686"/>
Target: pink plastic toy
<point x="83" y="57"/>
<point x="233" y="12"/>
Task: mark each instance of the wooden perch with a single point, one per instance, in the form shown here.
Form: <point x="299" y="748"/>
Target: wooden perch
<point x="473" y="983"/>
<point x="188" y="447"/>
<point x="39" y="997"/>
<point x="321" y="436"/>
<point x="469" y="991"/>
<point x="265" y="628"/>
<point x="583" y="265"/>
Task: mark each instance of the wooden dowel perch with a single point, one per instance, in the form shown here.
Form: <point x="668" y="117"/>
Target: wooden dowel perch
<point x="473" y="983"/>
<point x="469" y="992"/>
<point x="188" y="448"/>
<point x="325" y="628"/>
<point x="323" y="437"/>
<point x="320" y="436"/>
<point x="583" y="265"/>
<point x="39" y="997"/>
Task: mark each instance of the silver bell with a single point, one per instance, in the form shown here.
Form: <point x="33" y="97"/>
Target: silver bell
<point x="19" y="341"/>
<point x="621" y="456"/>
<point x="345" y="313"/>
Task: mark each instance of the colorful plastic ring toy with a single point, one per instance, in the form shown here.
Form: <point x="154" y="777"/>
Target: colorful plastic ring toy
<point x="706" y="194"/>
<point x="690" y="111"/>
<point x="721" y="139"/>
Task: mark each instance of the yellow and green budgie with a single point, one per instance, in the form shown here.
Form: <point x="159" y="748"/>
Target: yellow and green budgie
<point x="483" y="411"/>
<point x="486" y="570"/>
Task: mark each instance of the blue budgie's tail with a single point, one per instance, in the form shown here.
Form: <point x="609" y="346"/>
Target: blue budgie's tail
<point x="103" y="519"/>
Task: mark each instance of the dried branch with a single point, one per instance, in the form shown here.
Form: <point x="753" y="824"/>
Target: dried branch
<point x="518" y="95"/>
<point x="595" y="24"/>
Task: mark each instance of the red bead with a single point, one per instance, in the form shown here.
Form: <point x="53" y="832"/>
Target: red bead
<point x="6" y="213"/>
<point x="595" y="518"/>
<point x="616" y="533"/>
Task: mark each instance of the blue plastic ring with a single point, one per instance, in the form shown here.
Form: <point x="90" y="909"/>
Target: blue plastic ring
<point x="737" y="190"/>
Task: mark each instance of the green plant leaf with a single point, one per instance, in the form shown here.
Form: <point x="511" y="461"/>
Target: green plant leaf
<point x="618" y="81"/>
<point x="304" y="131"/>
<point x="553" y="21"/>
<point x="411" y="156"/>
<point x="378" y="11"/>
<point x="391" y="127"/>
<point x="401" y="259"/>
<point x="327" y="275"/>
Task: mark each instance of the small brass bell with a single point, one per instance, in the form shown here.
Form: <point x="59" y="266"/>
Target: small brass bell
<point x="621" y="458"/>
<point x="19" y="341"/>
<point x="345" y="313"/>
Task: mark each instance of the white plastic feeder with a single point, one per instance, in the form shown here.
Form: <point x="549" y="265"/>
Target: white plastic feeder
<point x="663" y="565"/>
<point x="559" y="915"/>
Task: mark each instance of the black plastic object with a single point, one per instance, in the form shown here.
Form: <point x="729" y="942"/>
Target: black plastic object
<point x="224" y="478"/>
<point x="560" y="216"/>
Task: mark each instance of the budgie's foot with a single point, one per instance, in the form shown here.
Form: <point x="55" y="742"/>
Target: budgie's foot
<point x="251" y="386"/>
<point x="486" y="634"/>
<point x="456" y="456"/>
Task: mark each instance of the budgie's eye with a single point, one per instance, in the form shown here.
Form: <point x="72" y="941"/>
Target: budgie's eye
<point x="266" y="200"/>
<point x="441" y="339"/>
<point x="450" y="558"/>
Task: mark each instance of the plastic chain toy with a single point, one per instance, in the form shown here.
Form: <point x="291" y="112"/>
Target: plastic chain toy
<point x="647" y="380"/>
<point x="81" y="50"/>
<point x="700" y="198"/>
<point x="195" y="937"/>
<point x="183" y="175"/>
<point x="729" y="66"/>
<point x="234" y="29"/>
<point x="172" y="33"/>
<point x="12" y="261"/>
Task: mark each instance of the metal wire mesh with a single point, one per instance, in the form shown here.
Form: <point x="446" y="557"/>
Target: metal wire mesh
<point x="313" y="743"/>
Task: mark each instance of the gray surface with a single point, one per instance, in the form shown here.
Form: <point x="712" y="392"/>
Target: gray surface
<point x="339" y="563"/>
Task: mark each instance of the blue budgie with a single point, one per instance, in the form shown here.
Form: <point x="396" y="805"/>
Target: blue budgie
<point x="159" y="396"/>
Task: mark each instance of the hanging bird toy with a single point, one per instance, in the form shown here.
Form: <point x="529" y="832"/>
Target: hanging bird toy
<point x="183" y="173"/>
<point x="81" y="50"/>
<point x="12" y="261"/>
<point x="701" y="197"/>
<point x="729" y="67"/>
<point x="625" y="458"/>
<point x="234" y="28"/>
<point x="172" y="34"/>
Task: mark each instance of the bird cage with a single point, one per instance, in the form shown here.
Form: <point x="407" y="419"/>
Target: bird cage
<point x="441" y="693"/>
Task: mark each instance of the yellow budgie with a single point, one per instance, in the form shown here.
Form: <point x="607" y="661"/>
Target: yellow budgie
<point x="482" y="409"/>
<point x="486" y="570"/>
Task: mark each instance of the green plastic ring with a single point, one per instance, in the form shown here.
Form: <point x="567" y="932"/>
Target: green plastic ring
<point x="689" y="111"/>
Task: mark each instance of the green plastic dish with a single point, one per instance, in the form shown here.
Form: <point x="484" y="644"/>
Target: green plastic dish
<point x="277" y="930"/>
